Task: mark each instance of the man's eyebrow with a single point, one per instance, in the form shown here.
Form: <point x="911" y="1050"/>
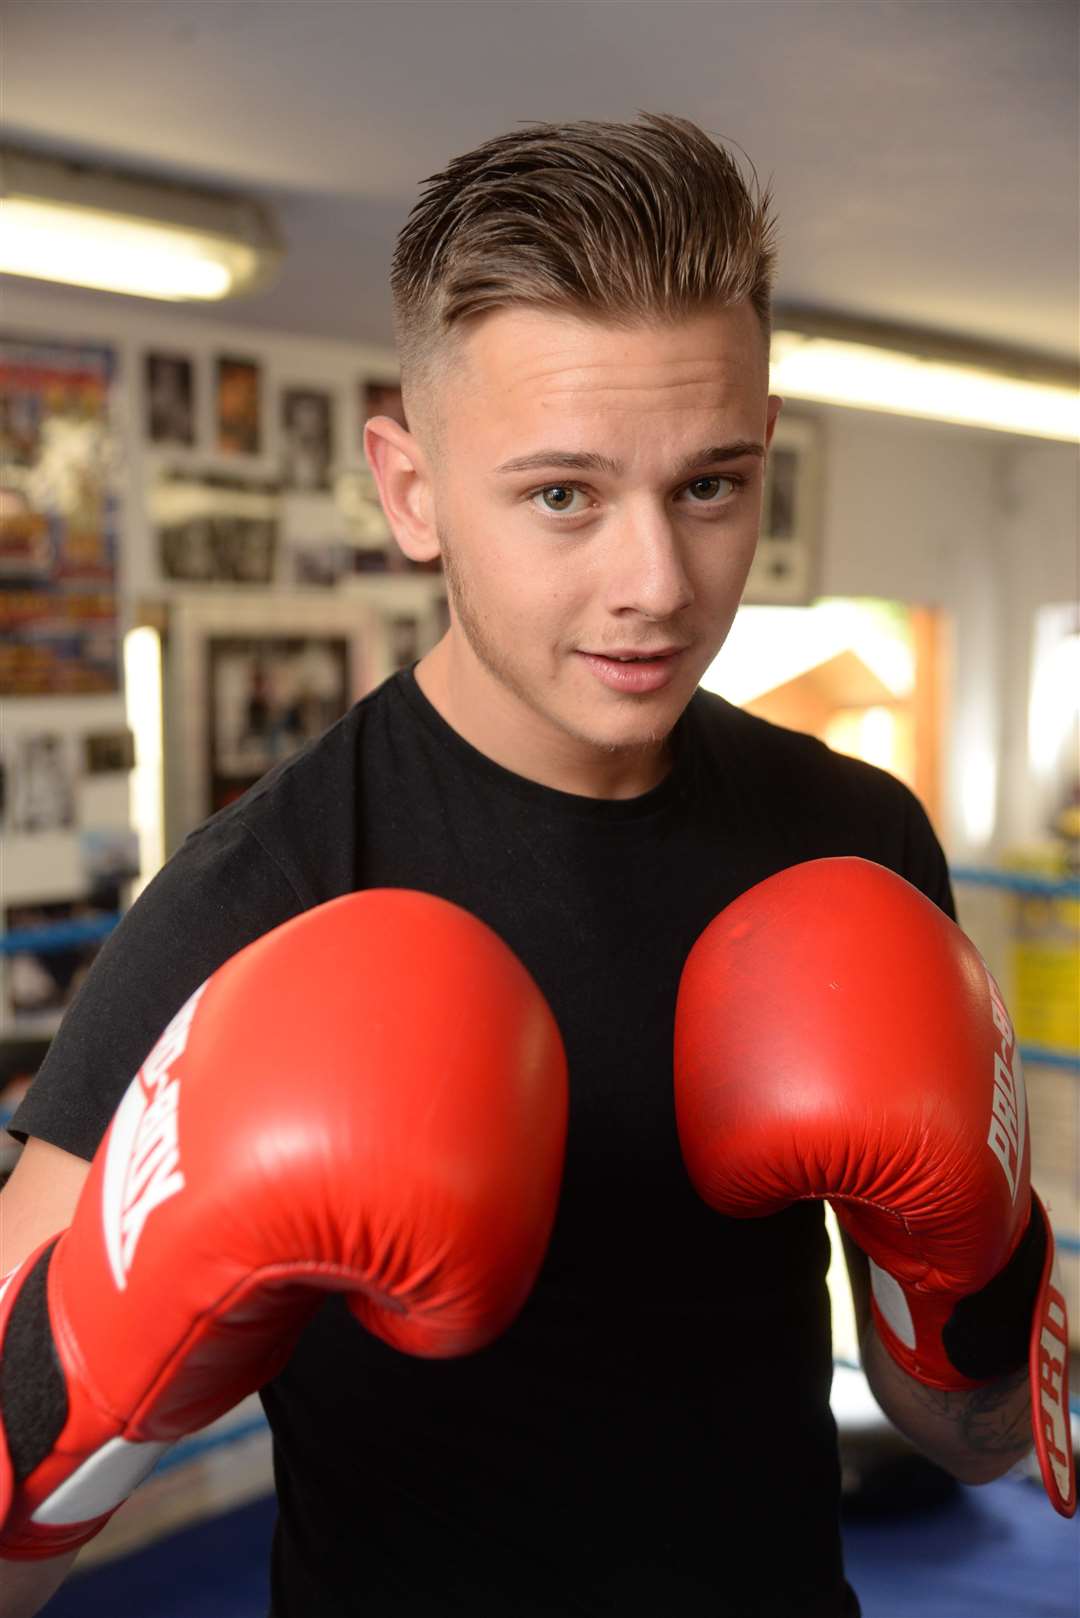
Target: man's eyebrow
<point x="586" y="461"/>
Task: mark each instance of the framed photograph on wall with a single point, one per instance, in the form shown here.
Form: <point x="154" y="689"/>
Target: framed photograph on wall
<point x="170" y="399"/>
<point x="212" y="528"/>
<point x="307" y="435"/>
<point x="237" y="401"/>
<point x="786" y="563"/>
<point x="44" y="782"/>
<point x="268" y="645"/>
<point x="109" y="752"/>
<point x="268" y="696"/>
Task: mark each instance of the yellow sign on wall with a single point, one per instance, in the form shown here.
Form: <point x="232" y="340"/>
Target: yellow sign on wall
<point x="1046" y="972"/>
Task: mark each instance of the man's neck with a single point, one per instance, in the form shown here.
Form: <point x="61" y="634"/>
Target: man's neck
<point x="503" y="728"/>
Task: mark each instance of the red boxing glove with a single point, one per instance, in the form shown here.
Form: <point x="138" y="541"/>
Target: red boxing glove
<point x="838" y="1037"/>
<point x="370" y="1099"/>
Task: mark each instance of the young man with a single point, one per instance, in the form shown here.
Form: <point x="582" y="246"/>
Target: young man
<point x="583" y="318"/>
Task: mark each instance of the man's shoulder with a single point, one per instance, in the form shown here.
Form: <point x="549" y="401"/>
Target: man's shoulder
<point x="753" y="743"/>
<point x="814" y="802"/>
<point x="725" y="725"/>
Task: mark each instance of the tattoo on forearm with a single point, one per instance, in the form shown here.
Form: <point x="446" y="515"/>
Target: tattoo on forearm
<point x="990" y="1420"/>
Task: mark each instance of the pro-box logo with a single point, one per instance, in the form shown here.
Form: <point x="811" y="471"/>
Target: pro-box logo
<point x="1053" y="1363"/>
<point x="1008" y="1107"/>
<point x="142" y="1163"/>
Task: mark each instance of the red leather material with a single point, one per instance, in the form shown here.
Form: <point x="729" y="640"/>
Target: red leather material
<point x="838" y="1037"/>
<point x="371" y="1099"/>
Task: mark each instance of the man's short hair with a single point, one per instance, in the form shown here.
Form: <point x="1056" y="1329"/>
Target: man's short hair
<point x="626" y="224"/>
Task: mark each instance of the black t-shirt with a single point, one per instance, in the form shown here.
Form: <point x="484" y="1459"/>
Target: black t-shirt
<point x="656" y="1423"/>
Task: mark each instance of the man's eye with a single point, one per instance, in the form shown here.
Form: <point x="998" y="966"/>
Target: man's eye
<point x="724" y="487"/>
<point x="564" y="489"/>
<point x="732" y="482"/>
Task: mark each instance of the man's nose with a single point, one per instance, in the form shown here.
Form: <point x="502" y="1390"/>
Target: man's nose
<point x="646" y="567"/>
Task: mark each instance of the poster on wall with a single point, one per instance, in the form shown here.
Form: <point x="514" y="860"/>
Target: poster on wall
<point x="307" y="432"/>
<point x="170" y="399"/>
<point x="239" y="428"/>
<point x="59" y="519"/>
<point x="268" y="695"/>
<point x="109" y="752"/>
<point x="44" y="776"/>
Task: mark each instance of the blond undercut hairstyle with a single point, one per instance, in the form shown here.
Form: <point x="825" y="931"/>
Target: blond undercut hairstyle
<point x="626" y="224"/>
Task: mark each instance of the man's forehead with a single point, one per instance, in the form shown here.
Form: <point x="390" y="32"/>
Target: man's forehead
<point x="519" y="348"/>
<point x="545" y="391"/>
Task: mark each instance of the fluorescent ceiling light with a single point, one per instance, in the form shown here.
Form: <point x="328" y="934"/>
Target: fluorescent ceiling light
<point x="88" y="227"/>
<point x="875" y="376"/>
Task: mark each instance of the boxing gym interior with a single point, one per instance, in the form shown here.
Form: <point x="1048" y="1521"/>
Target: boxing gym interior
<point x="198" y="577"/>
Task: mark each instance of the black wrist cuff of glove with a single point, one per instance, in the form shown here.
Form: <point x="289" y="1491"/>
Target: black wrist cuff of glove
<point x="988" y="1334"/>
<point x="33" y="1397"/>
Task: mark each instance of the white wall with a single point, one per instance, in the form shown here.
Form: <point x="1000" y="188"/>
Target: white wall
<point x="984" y="526"/>
<point x="980" y="524"/>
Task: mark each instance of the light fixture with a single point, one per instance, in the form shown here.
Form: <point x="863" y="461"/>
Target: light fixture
<point x="142" y="698"/>
<point x="1054" y="694"/>
<point x="871" y="367"/>
<point x="91" y="227"/>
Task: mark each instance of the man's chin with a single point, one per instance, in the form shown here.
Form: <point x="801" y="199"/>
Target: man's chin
<point x="632" y="735"/>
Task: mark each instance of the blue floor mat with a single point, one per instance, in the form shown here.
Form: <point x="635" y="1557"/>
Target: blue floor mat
<point x="217" y="1569"/>
<point x="995" y="1552"/>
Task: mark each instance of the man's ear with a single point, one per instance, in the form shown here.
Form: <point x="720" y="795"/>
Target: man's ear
<point x="400" y="471"/>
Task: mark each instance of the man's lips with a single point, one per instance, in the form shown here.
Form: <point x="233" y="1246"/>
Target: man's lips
<point x="624" y="653"/>
<point x="634" y="673"/>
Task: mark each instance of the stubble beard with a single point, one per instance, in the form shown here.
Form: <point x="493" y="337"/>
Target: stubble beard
<point x="487" y="653"/>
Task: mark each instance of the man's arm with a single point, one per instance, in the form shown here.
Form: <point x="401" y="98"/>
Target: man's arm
<point x="38" y="1200"/>
<point x="25" y="1587"/>
<point x="976" y="1436"/>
